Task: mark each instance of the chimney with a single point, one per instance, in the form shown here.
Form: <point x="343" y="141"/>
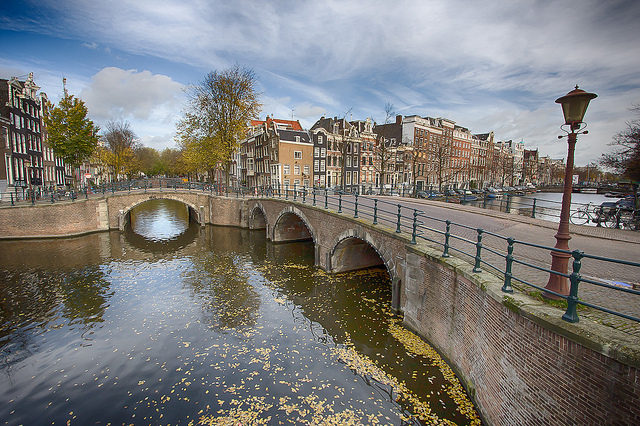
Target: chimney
<point x="398" y="119"/>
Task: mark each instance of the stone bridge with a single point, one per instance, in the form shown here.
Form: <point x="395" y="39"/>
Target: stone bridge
<point x="519" y="361"/>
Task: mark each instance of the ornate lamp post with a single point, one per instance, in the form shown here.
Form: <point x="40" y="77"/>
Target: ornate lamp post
<point x="574" y="105"/>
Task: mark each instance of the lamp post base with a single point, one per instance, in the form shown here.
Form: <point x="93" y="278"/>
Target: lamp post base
<point x="559" y="263"/>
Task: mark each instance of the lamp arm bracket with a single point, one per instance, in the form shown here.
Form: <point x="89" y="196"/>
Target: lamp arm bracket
<point x="578" y="128"/>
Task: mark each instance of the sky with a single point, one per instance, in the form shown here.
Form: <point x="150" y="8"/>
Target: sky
<point x="487" y="65"/>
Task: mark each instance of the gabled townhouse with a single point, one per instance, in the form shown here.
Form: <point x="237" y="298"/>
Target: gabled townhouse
<point x="25" y="159"/>
<point x="342" y="153"/>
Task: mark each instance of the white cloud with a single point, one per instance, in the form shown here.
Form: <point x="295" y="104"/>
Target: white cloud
<point x="487" y="65"/>
<point x="115" y="93"/>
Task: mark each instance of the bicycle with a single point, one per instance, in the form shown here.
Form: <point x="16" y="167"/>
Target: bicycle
<point x="628" y="219"/>
<point x="602" y="215"/>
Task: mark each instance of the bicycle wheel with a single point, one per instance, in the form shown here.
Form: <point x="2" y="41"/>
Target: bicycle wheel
<point x="579" y="218"/>
<point x="626" y="220"/>
<point x="609" y="220"/>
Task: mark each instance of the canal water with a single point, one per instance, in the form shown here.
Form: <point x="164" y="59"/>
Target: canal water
<point x="169" y="323"/>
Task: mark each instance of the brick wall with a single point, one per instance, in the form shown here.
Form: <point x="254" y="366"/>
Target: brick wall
<point x="47" y="220"/>
<point x="520" y="360"/>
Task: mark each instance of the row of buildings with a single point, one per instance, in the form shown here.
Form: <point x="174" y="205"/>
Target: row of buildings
<point x="26" y="161"/>
<point x="412" y="151"/>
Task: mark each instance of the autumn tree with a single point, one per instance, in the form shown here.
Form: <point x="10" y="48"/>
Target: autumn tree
<point x="71" y="135"/>
<point x="218" y="113"/>
<point x="149" y="160"/>
<point x="119" y="146"/>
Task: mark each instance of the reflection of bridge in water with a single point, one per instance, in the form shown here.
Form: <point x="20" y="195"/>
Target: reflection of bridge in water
<point x="439" y="269"/>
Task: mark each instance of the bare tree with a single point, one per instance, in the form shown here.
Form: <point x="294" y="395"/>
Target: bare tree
<point x="384" y="149"/>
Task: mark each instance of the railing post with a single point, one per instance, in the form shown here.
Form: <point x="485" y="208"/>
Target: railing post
<point x="447" y="234"/>
<point x="476" y="267"/>
<point x="52" y="200"/>
<point x="326" y="199"/>
<point x="506" y="287"/>
<point x="295" y="190"/>
<point x="340" y="203"/>
<point x="314" y="197"/>
<point x="415" y="227"/>
<point x="533" y="209"/>
<point x="375" y="211"/>
<point x="304" y="195"/>
<point x="572" y="300"/>
<point x="355" y="214"/>
<point x="508" y="203"/>
<point x="33" y="196"/>
<point x="398" y="230"/>
<point x="12" y="202"/>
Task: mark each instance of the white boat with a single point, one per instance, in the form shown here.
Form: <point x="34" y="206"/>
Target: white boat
<point x="588" y="190"/>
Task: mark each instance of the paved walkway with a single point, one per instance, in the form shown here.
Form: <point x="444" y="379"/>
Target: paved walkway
<point x="605" y="242"/>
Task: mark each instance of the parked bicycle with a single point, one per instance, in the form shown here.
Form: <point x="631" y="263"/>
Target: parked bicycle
<point x="628" y="219"/>
<point x="602" y="215"/>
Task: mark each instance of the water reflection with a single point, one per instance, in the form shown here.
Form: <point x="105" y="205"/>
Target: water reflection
<point x="160" y="220"/>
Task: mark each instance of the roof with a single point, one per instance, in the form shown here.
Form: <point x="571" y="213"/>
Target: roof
<point x="280" y="124"/>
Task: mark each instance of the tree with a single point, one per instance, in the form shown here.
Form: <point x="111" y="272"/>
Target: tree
<point x="384" y="149"/>
<point x="149" y="161"/>
<point x="219" y="111"/>
<point x="71" y="135"/>
<point x="120" y="144"/>
<point x="626" y="157"/>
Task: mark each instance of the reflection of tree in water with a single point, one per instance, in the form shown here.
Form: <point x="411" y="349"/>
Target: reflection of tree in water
<point x="34" y="300"/>
<point x="229" y="301"/>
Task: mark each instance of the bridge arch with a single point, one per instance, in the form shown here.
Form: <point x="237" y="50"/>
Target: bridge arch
<point x="352" y="250"/>
<point x="258" y="217"/>
<point x="292" y="225"/>
<point x="195" y="213"/>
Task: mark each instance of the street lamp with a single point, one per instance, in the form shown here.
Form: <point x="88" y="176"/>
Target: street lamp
<point x="574" y="105"/>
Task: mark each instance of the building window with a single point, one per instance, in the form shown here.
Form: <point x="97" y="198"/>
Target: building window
<point x="316" y="151"/>
<point x="286" y="169"/>
<point x="322" y="165"/>
<point x="297" y="138"/>
<point x="316" y="166"/>
<point x="306" y="169"/>
<point x="320" y="139"/>
<point x="297" y="154"/>
<point x="296" y="169"/>
<point x="323" y="152"/>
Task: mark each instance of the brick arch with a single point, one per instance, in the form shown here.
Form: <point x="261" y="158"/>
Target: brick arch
<point x="258" y="207"/>
<point x="297" y="212"/>
<point x="125" y="202"/>
<point x="159" y="196"/>
<point x="378" y="247"/>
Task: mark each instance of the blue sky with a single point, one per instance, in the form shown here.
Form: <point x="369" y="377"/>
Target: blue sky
<point x="488" y="65"/>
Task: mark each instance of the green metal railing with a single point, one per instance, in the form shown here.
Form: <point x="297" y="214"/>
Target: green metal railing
<point x="465" y="241"/>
